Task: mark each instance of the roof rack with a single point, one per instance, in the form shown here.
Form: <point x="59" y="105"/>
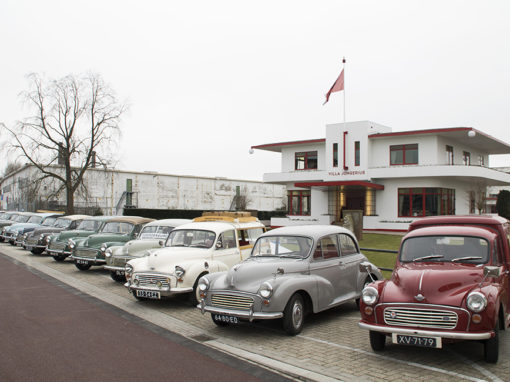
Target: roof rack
<point x="227" y="216"/>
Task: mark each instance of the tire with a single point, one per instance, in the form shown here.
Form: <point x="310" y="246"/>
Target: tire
<point x="491" y="346"/>
<point x="37" y="251"/>
<point x="377" y="341"/>
<point x="294" y="315"/>
<point x="118" y="278"/>
<point x="2" y="239"/>
<point x="194" y="297"/>
<point x="82" y="267"/>
<point x="59" y="258"/>
<point x="218" y="322"/>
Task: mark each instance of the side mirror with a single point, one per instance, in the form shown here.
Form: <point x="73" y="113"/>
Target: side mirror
<point x="491" y="271"/>
<point x="365" y="266"/>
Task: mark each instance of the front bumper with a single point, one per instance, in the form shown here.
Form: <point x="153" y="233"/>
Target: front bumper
<point x="89" y="260"/>
<point x="148" y="282"/>
<point x="249" y="315"/>
<point x="427" y="333"/>
<point x="113" y="268"/>
<point x="57" y="252"/>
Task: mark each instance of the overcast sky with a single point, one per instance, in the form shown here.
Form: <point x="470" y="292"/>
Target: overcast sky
<point x="206" y="80"/>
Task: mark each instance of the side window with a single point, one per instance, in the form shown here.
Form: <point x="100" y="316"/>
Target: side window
<point x="347" y="245"/>
<point x="327" y="248"/>
<point x="249" y="236"/>
<point x="227" y="240"/>
<point x="137" y="230"/>
<point x="496" y="254"/>
<point x="74" y="224"/>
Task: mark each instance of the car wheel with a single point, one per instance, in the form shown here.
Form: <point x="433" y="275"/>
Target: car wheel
<point x="2" y="239"/>
<point x="11" y="242"/>
<point x="37" y="251"/>
<point x="377" y="340"/>
<point x="491" y="346"/>
<point x="117" y="277"/>
<point x="294" y="315"/>
<point x="82" y="267"/>
<point x="194" y="297"/>
<point x="59" y="258"/>
<point x="218" y="322"/>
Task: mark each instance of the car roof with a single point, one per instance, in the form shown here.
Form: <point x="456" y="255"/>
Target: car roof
<point x="131" y="219"/>
<point x="219" y="226"/>
<point x="74" y="217"/>
<point x="458" y="220"/>
<point x="169" y="222"/>
<point x="315" y="231"/>
<point x="452" y="230"/>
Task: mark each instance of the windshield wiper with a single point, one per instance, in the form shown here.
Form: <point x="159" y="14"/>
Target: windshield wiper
<point x="428" y="257"/>
<point x="199" y="245"/>
<point x="467" y="258"/>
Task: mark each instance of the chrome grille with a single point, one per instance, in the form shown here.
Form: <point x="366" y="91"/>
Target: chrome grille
<point x="423" y="318"/>
<point x="57" y="245"/>
<point x="231" y="301"/>
<point x="85" y="253"/>
<point x="151" y="280"/>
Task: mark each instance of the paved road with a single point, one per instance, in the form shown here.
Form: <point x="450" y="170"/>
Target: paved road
<point x="52" y="332"/>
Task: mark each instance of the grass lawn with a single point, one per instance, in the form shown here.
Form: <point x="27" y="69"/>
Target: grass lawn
<point x="381" y="241"/>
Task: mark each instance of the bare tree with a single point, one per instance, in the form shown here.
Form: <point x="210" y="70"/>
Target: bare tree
<point x="478" y="196"/>
<point x="71" y="120"/>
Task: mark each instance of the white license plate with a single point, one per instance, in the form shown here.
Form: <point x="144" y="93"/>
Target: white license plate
<point x="119" y="273"/>
<point x="148" y="294"/>
<point x="225" y="318"/>
<point x="84" y="262"/>
<point x="427" y="342"/>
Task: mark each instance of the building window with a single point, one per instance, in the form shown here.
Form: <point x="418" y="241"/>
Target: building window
<point x="426" y="201"/>
<point x="306" y="160"/>
<point x="404" y="154"/>
<point x="356" y="153"/>
<point x="481" y="160"/>
<point x="299" y="202"/>
<point x="449" y="154"/>
<point x="466" y="158"/>
<point x="335" y="154"/>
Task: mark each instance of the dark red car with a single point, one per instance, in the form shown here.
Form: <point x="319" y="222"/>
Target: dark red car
<point x="450" y="283"/>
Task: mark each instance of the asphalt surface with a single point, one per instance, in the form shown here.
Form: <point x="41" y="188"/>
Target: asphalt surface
<point x="51" y="331"/>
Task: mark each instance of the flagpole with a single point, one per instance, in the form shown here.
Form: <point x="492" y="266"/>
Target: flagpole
<point x="343" y="69"/>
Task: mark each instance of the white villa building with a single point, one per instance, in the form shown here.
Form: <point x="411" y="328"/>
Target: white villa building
<point x="393" y="177"/>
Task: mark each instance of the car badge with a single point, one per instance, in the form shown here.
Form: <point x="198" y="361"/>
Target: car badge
<point x="152" y="268"/>
<point x="393" y="315"/>
<point x="419" y="297"/>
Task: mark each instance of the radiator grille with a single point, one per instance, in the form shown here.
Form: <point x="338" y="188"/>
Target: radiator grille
<point x="151" y="280"/>
<point x="85" y="252"/>
<point x="231" y="301"/>
<point x="423" y="318"/>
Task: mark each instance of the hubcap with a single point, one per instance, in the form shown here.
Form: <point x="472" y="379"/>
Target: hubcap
<point x="297" y="314"/>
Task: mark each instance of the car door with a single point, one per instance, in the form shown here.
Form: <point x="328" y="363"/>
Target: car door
<point x="350" y="258"/>
<point x="226" y="249"/>
<point x="326" y="266"/>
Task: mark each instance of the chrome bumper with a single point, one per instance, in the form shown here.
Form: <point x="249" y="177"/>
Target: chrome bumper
<point x="53" y="252"/>
<point x="427" y="333"/>
<point x="91" y="260"/>
<point x="249" y="315"/>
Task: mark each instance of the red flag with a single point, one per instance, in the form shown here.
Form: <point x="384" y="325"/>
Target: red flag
<point x="337" y="86"/>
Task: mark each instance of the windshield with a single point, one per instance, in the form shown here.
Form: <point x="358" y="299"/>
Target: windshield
<point x="13" y="217"/>
<point x="191" y="238"/>
<point x="35" y="219"/>
<point x="117" y="227"/>
<point x="155" y="232"/>
<point x="48" y="222"/>
<point x="62" y="223"/>
<point x="282" y="246"/>
<point x="89" y="225"/>
<point x="462" y="249"/>
<point x="22" y="219"/>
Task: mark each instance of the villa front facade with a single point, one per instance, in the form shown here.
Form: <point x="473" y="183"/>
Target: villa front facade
<point x="393" y="177"/>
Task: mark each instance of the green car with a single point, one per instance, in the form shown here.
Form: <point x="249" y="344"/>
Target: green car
<point x="91" y="250"/>
<point x="58" y="247"/>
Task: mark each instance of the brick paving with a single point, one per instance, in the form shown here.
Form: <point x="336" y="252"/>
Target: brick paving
<point x="331" y="344"/>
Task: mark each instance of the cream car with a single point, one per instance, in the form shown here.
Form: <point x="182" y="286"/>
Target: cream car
<point x="192" y="251"/>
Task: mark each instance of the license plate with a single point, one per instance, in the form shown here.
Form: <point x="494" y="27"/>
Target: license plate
<point x="119" y="273"/>
<point x="427" y="342"/>
<point x="148" y="294"/>
<point x="228" y="319"/>
<point x="84" y="262"/>
<point x="28" y="247"/>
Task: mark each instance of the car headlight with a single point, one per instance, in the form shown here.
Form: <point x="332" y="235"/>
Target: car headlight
<point x="25" y="236"/>
<point x="266" y="290"/>
<point x="476" y="302"/>
<point x="128" y="269"/>
<point x="179" y="271"/>
<point x="108" y="252"/>
<point x="370" y="295"/>
<point x="71" y="243"/>
<point x="41" y="236"/>
<point x="47" y="239"/>
<point x="103" y="248"/>
<point x="203" y="284"/>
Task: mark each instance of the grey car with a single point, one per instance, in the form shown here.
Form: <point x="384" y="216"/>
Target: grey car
<point x="292" y="271"/>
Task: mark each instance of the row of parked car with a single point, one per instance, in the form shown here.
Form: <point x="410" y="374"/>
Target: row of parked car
<point x="450" y="283"/>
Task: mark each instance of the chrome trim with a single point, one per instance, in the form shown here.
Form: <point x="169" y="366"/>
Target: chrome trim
<point x="250" y="315"/>
<point x="112" y="268"/>
<point x="427" y="333"/>
<point x="424" y="317"/>
<point x="89" y="259"/>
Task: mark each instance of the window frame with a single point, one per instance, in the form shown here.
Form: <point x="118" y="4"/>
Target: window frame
<point x="466" y="158"/>
<point x="301" y="194"/>
<point x="446" y="200"/>
<point x="306" y="155"/>
<point x="357" y="153"/>
<point x="449" y="155"/>
<point x="335" y="154"/>
<point x="405" y="148"/>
